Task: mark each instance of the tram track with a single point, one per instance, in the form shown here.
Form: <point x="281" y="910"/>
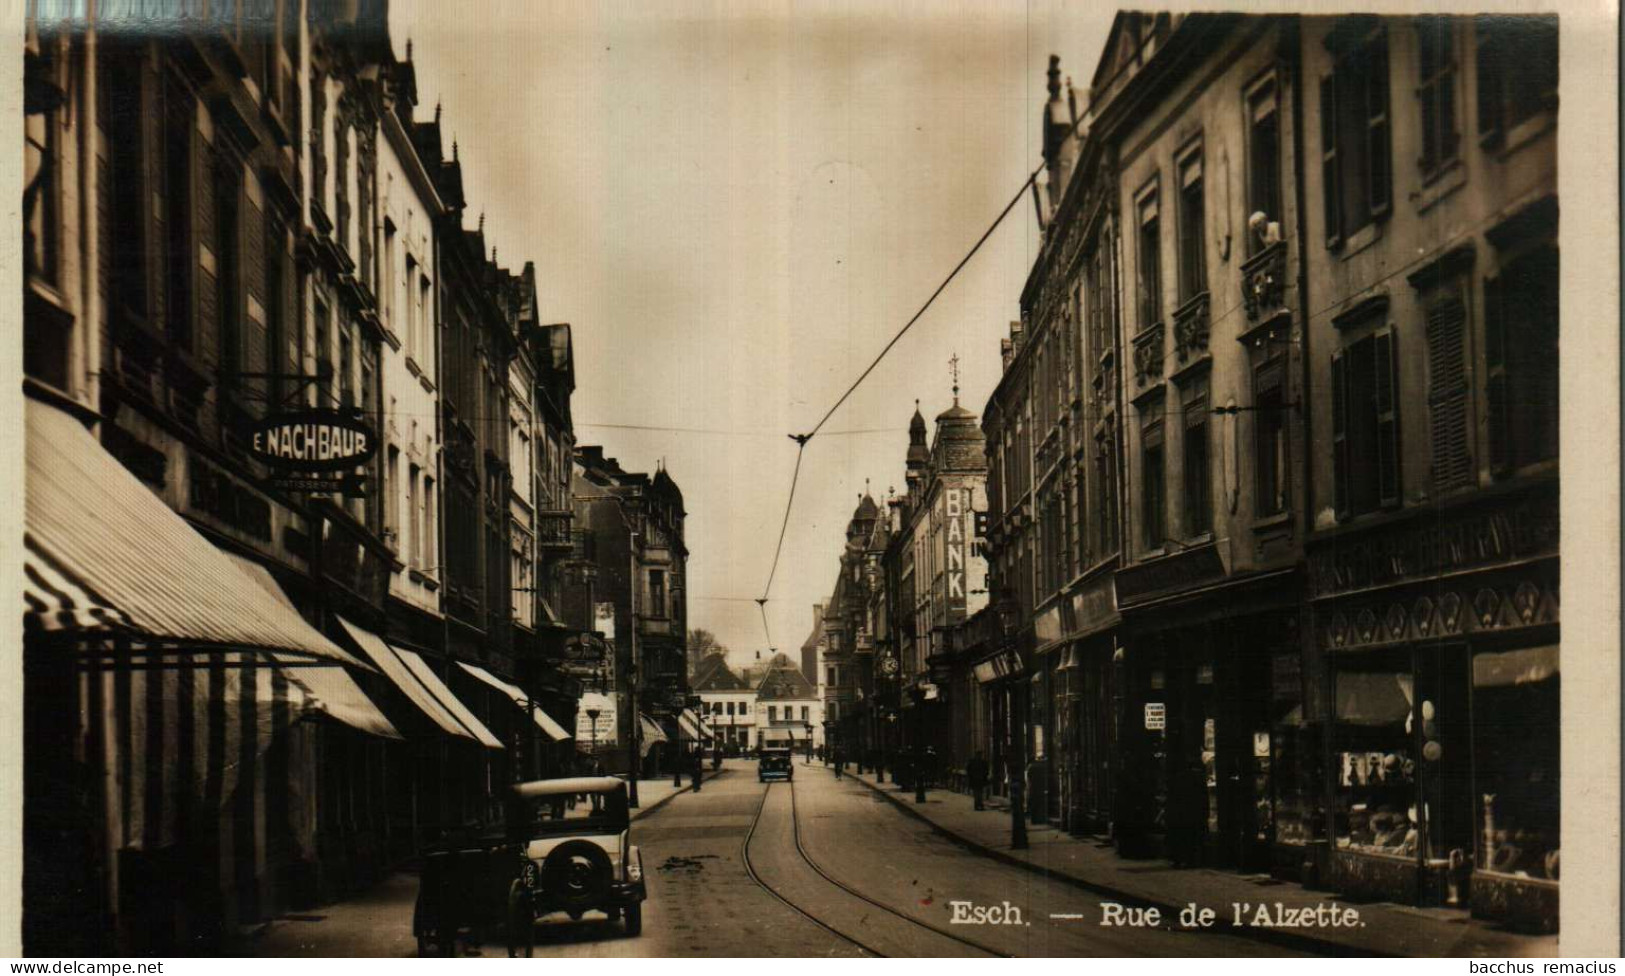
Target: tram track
<point x="804" y="911"/>
<point x="801" y="849"/>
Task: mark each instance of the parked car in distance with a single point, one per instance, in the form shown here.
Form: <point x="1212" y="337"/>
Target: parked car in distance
<point x="575" y="855"/>
<point x="774" y="764"/>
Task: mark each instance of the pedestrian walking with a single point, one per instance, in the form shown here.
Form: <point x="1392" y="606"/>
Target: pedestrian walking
<point x="839" y="760"/>
<point x="976" y="775"/>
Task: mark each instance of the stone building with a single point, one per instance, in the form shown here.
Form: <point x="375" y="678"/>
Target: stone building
<point x="1431" y="272"/>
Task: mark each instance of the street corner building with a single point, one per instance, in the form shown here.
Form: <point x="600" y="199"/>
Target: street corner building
<point x="256" y="685"/>
<point x="1269" y="502"/>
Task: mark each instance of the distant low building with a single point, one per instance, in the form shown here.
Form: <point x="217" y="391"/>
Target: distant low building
<point x="727" y="703"/>
<point x="788" y="709"/>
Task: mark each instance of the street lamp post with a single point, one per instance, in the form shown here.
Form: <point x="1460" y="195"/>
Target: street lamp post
<point x="1009" y="612"/>
<point x="592" y="733"/>
<point x="919" y="744"/>
<point x="829" y="743"/>
<point x="886" y="735"/>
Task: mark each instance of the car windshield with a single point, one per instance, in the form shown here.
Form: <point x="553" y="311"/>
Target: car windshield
<point x="571" y="812"/>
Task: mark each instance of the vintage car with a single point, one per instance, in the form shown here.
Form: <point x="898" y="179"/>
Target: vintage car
<point x="575" y="855"/>
<point x="774" y="764"/>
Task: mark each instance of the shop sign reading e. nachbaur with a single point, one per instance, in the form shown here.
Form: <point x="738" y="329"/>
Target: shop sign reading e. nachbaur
<point x="312" y="440"/>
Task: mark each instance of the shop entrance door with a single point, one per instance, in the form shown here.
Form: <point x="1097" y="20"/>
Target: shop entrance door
<point x="1244" y="774"/>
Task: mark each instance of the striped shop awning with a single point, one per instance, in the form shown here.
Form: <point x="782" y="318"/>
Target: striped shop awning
<point x="517" y="695"/>
<point x="651" y="733"/>
<point x="438" y="688"/>
<point x="403" y="678"/>
<point x="104" y="556"/>
<point x="331" y="690"/>
<point x="689" y="727"/>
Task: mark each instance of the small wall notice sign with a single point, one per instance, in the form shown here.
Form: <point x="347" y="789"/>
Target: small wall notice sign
<point x="1156" y="716"/>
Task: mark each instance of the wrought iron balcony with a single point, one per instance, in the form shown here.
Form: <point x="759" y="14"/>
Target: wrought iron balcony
<point x="553" y="530"/>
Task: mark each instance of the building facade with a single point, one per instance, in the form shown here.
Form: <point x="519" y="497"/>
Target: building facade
<point x="789" y="711"/>
<point x="224" y="226"/>
<point x="1432" y="569"/>
<point x="1273" y="461"/>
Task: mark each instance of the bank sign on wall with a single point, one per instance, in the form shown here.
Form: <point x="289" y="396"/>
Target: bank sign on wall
<point x="957" y="516"/>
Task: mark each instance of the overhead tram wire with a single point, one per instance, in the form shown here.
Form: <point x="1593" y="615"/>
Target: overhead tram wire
<point x="802" y="439"/>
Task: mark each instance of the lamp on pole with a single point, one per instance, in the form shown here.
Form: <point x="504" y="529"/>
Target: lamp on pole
<point x="1009" y="612"/>
<point x="887" y="734"/>
<point x="829" y="744"/>
<point x="592" y="734"/>
<point x="918" y="694"/>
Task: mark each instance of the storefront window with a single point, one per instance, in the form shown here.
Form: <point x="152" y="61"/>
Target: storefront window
<point x="1376" y="771"/>
<point x="1515" y="748"/>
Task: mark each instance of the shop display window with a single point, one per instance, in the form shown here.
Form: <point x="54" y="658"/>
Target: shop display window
<point x="1298" y="814"/>
<point x="1376" y="766"/>
<point x="1403" y="768"/>
<point x="1515" y="749"/>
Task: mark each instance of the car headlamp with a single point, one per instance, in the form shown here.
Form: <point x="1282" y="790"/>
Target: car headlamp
<point x="634" y="868"/>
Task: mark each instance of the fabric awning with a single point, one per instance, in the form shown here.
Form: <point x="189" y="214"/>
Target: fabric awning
<point x="652" y="732"/>
<point x="331" y="690"/>
<point x="1525" y="666"/>
<point x="1377" y="698"/>
<point x="689" y="727"/>
<point x="516" y="695"/>
<point x="453" y="704"/>
<point x="403" y="678"/>
<point x="104" y="554"/>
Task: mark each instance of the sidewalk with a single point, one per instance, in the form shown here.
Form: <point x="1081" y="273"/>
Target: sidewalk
<point x="1090" y="863"/>
<point x="378" y="922"/>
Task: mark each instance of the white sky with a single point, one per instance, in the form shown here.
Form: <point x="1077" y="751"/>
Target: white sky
<point x="736" y="206"/>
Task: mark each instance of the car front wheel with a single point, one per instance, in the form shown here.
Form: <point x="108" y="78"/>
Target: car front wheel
<point x="634" y="920"/>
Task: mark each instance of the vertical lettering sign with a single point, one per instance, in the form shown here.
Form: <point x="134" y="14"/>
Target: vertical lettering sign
<point x="956" y="549"/>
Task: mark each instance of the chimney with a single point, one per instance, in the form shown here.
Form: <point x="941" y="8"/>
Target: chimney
<point x="1007" y="352"/>
<point x="1017" y="338"/>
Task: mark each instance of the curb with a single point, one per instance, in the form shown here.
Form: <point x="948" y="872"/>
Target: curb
<point x="643" y="811"/>
<point x="1286" y="940"/>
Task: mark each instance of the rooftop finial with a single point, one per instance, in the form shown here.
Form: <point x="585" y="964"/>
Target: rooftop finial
<point x="953" y="367"/>
<point x="437" y="111"/>
<point x="408" y="49"/>
<point x="454" y="156"/>
<point x="482" y="221"/>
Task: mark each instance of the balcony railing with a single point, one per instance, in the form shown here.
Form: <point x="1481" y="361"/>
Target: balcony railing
<point x="1148" y="353"/>
<point x="553" y="530"/>
<point x="1263" y="282"/>
<point x="1191" y="327"/>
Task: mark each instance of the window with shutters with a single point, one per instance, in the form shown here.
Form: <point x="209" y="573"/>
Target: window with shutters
<point x="1270" y="479"/>
<point x="1153" y="523"/>
<point x="1517" y="72"/>
<point x="179" y="131"/>
<point x="1521" y="349"/>
<point x="228" y="181"/>
<point x="1448" y="408"/>
<point x="1197" y="473"/>
<point x="1356" y="169"/>
<point x="1365" y="426"/>
<point x="1436" y="91"/>
<point x="1263" y="159"/>
<point x="1150" y="261"/>
<point x="1192" y="255"/>
<point x="123" y="86"/>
